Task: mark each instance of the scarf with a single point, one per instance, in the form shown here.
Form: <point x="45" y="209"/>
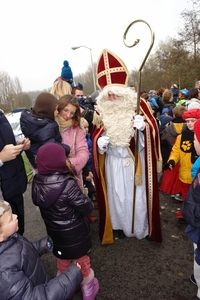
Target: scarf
<point x="62" y="123"/>
<point x="187" y="144"/>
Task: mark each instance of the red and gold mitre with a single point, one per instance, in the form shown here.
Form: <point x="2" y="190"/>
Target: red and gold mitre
<point x="111" y="70"/>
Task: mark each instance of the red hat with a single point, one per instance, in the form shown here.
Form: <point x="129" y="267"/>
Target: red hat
<point x="111" y="70"/>
<point x="197" y="129"/>
<point x="193" y="113"/>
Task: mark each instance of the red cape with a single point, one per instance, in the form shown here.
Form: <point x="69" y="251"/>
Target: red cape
<point x="152" y="156"/>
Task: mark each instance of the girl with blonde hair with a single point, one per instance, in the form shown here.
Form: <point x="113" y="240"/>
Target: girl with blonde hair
<point x="61" y="88"/>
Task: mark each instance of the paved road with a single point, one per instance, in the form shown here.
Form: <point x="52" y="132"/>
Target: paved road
<point x="132" y="269"/>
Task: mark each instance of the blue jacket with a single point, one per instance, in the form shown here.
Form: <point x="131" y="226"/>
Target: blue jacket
<point x="40" y="131"/>
<point x="175" y="93"/>
<point x="191" y="204"/>
<point x="12" y="173"/>
<point x="64" y="209"/>
<point x="89" y="143"/>
<point x="195" y="167"/>
<point x="191" y="213"/>
<point x="167" y="108"/>
<point x="152" y="101"/>
<point x="22" y="275"/>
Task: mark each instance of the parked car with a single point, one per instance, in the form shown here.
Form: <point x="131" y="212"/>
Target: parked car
<point x="14" y="120"/>
<point x="19" y="109"/>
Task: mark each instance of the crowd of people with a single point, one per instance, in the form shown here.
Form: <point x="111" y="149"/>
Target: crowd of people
<point x="178" y="119"/>
<point x="104" y="151"/>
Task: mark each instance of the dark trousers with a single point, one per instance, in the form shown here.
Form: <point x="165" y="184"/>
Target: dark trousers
<point x="17" y="205"/>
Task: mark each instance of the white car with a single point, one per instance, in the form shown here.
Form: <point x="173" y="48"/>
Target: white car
<point x="14" y="120"/>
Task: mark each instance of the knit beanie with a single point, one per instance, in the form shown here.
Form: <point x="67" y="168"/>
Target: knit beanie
<point x="164" y="120"/>
<point x="193" y="113"/>
<point x="66" y="72"/>
<point x="80" y="85"/>
<point x="4" y="206"/>
<point x="197" y="129"/>
<point x="45" y="105"/>
<point x="51" y="158"/>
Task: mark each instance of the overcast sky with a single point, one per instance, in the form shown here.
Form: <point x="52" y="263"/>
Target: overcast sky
<point x="37" y="35"/>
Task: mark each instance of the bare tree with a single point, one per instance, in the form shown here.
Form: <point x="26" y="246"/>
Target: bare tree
<point x="190" y="33"/>
<point x="10" y="91"/>
<point x="6" y="89"/>
<point x="133" y="78"/>
<point x="170" y="63"/>
<point x="17" y="92"/>
<point x="87" y="80"/>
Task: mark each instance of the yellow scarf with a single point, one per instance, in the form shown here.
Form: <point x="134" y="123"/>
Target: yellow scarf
<point x="62" y="123"/>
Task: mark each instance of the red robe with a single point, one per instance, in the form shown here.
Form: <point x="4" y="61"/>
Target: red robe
<point x="152" y="156"/>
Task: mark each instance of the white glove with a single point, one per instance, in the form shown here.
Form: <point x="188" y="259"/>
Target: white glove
<point x="102" y="143"/>
<point x="139" y="122"/>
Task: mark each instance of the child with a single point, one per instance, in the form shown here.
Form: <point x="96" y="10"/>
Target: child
<point x="170" y="182"/>
<point x="159" y="100"/>
<point x="175" y="127"/>
<point x="182" y="97"/>
<point x="163" y="123"/>
<point x="64" y="209"/>
<point x="145" y="96"/>
<point x="174" y="89"/>
<point x="191" y="212"/>
<point x="22" y="274"/>
<point x="39" y="126"/>
<point x="193" y="99"/>
<point x="183" y="152"/>
<point x="152" y="101"/>
<point x="66" y="74"/>
<point x="196" y="165"/>
<point x="168" y="104"/>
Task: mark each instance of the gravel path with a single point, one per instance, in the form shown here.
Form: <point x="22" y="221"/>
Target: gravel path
<point x="133" y="269"/>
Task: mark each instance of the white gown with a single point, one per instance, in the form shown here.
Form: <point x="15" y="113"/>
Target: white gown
<point x="120" y="170"/>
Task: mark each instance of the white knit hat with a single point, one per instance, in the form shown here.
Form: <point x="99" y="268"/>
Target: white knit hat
<point x="4" y="206"/>
<point x="193" y="103"/>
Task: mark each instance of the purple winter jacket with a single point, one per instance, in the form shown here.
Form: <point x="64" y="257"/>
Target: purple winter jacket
<point x="64" y="209"/>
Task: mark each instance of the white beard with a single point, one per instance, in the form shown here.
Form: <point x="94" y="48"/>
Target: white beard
<point x="117" y="115"/>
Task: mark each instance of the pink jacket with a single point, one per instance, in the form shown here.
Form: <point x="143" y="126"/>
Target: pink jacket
<point x="79" y="154"/>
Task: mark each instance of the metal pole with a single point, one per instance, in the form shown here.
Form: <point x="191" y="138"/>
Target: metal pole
<point x="92" y="64"/>
<point x="93" y="76"/>
<point x="138" y="99"/>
